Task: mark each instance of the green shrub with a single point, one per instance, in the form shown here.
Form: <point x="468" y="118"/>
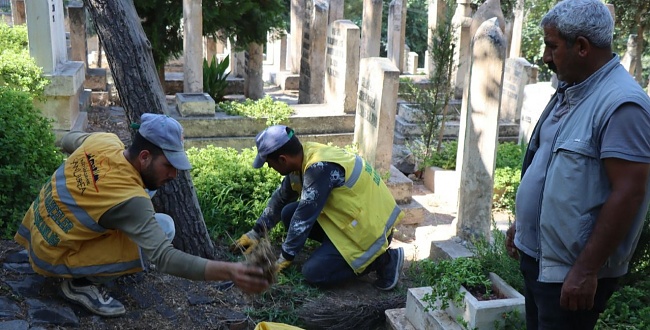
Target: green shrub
<point x="507" y="173"/>
<point x="232" y="194"/>
<point x="275" y="112"/>
<point x="27" y="156"/>
<point x="446" y="158"/>
<point x="506" y="183"/>
<point x="17" y="69"/>
<point x="214" y="77"/>
<point x="13" y="38"/>
<point x="628" y="308"/>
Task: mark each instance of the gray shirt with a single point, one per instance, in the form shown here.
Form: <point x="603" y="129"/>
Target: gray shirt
<point x="620" y="139"/>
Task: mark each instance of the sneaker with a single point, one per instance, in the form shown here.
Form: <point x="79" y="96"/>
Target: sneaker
<point x="93" y="297"/>
<point x="388" y="276"/>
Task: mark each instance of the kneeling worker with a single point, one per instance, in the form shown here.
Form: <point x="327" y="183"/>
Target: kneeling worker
<point x="334" y="197"/>
<point x="94" y="217"/>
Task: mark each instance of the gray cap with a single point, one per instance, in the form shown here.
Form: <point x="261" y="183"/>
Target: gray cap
<point x="270" y="140"/>
<point x="166" y="133"/>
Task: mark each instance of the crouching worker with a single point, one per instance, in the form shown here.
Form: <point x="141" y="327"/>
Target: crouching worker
<point x="334" y="197"/>
<point x="93" y="218"/>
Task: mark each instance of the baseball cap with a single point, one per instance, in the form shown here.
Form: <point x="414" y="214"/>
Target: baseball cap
<point x="167" y="134"/>
<point x="270" y="140"/>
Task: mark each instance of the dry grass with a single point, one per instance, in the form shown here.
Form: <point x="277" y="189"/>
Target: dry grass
<point x="263" y="256"/>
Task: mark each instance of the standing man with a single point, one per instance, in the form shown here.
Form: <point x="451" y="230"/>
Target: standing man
<point x="93" y="219"/>
<point x="584" y="190"/>
<point x="334" y="197"/>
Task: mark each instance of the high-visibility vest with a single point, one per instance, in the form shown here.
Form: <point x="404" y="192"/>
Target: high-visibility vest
<point x="359" y="216"/>
<point x="61" y="230"/>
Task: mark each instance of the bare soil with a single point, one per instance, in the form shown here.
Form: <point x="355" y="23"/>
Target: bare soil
<point x="159" y="301"/>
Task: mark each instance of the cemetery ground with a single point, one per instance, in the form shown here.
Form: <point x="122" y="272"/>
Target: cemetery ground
<point x="154" y="300"/>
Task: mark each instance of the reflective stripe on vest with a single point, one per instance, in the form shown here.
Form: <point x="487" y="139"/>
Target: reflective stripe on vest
<point x="377" y="245"/>
<point x="77" y="271"/>
<point x="356" y="172"/>
<point x="66" y="198"/>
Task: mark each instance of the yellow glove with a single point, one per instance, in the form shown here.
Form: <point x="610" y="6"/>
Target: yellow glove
<point x="281" y="264"/>
<point x="246" y="242"/>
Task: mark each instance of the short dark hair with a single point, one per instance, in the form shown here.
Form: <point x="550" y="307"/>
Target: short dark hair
<point x="140" y="143"/>
<point x="292" y="147"/>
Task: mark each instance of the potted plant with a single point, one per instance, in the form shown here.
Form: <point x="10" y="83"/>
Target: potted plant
<point x="468" y="291"/>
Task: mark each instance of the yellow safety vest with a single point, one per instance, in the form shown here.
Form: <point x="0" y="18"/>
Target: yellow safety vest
<point x="61" y="230"/>
<point x="359" y="216"/>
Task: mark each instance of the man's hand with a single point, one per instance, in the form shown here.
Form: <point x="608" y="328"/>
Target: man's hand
<point x="510" y="242"/>
<point x="249" y="279"/>
<point x="281" y="264"/>
<point x="246" y="243"/>
<point x="579" y="289"/>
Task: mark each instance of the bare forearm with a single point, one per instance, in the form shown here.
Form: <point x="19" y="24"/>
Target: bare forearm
<point x="218" y="270"/>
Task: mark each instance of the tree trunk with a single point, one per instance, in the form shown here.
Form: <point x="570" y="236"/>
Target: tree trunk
<point x="129" y="57"/>
<point x="254" y="83"/>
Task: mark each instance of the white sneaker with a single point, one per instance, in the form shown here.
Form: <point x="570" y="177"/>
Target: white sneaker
<point x="93" y="297"/>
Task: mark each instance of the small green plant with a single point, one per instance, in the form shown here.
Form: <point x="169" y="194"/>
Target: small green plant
<point x="494" y="258"/>
<point x="275" y="112"/>
<point x="28" y="156"/>
<point x="215" y="77"/>
<point x="447" y="276"/>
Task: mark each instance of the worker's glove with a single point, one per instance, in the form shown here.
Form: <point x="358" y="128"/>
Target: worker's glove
<point x="281" y="264"/>
<point x="246" y="243"/>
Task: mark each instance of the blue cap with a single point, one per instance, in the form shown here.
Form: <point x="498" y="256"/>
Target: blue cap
<point x="270" y="140"/>
<point x="167" y="134"/>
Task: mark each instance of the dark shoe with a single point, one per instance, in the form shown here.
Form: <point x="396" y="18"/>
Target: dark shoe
<point x="93" y="297"/>
<point x="388" y="275"/>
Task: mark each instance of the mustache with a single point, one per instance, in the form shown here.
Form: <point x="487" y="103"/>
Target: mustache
<point x="552" y="66"/>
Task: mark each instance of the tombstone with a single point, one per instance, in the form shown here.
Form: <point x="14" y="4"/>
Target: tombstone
<point x="95" y="77"/>
<point x="412" y="63"/>
<point x="209" y="48"/>
<point x="297" y="16"/>
<point x="376" y="109"/>
<point x="192" y="46"/>
<point x="311" y="87"/>
<point x="534" y="100"/>
<point x="336" y="11"/>
<point x="371" y="28"/>
<point x="396" y="32"/>
<point x="47" y="45"/>
<point x="631" y="61"/>
<point x="461" y="22"/>
<point x="516" y="76"/>
<point x="237" y="63"/>
<point x="342" y="65"/>
<point x="279" y="46"/>
<point x="405" y="54"/>
<point x="517" y="26"/>
<point x="479" y="132"/>
<point x="254" y="84"/>
<point x="18" y="12"/>
<point x="436" y="15"/>
<point x="77" y="19"/>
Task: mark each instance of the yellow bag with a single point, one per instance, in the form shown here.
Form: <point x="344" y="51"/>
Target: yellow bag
<point x="275" y="326"/>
